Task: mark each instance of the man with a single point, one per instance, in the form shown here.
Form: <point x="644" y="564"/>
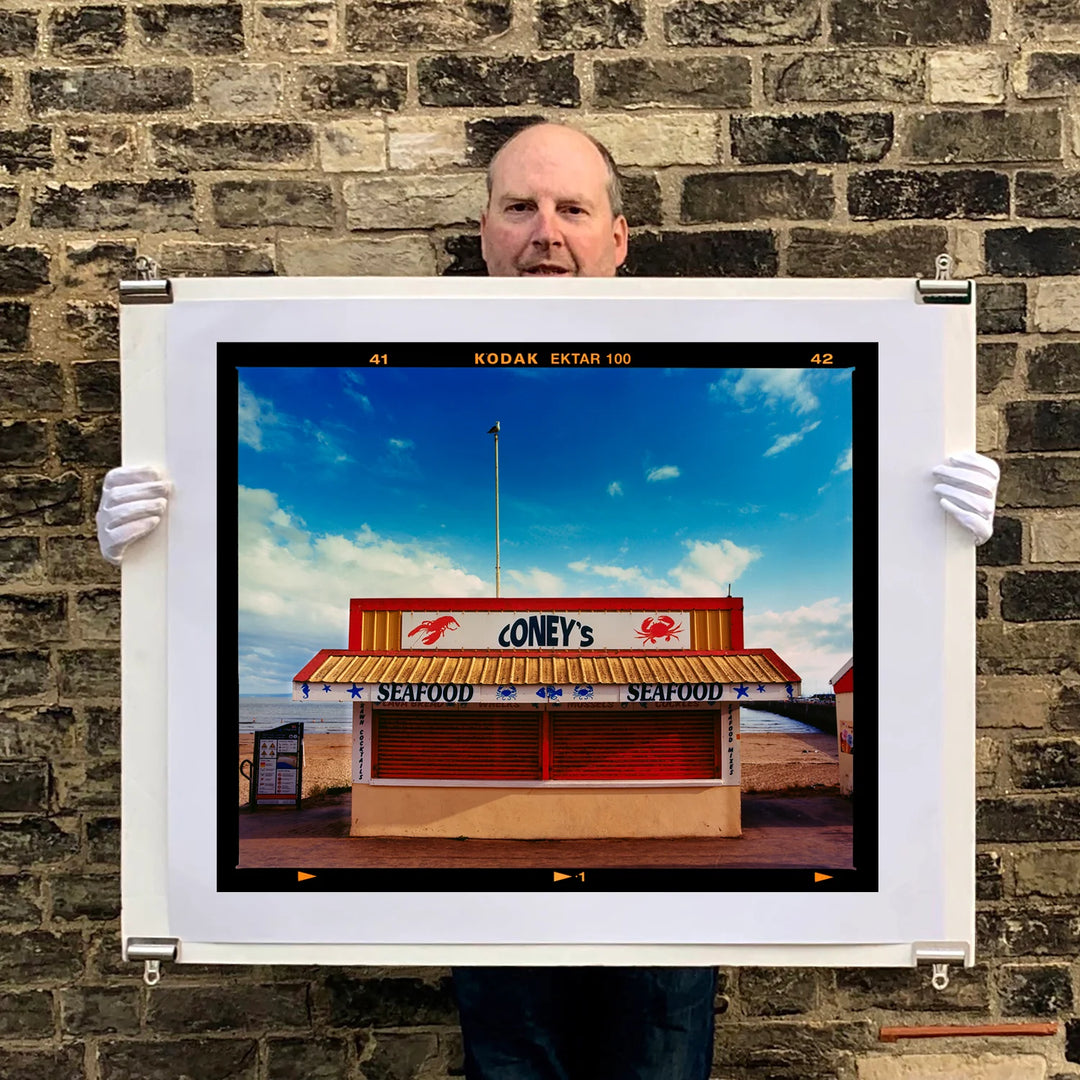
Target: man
<point x="554" y="209"/>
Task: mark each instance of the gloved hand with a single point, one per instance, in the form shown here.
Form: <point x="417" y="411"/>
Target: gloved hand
<point x="969" y="492"/>
<point x="133" y="500"/>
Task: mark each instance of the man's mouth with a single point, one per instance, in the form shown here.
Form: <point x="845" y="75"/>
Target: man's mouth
<point x="545" y="269"/>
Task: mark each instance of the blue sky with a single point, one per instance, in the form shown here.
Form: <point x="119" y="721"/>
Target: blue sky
<point x="643" y="482"/>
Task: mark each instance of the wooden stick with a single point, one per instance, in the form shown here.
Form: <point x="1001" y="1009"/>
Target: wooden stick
<point x="891" y="1034"/>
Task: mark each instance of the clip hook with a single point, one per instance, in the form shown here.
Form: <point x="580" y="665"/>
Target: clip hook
<point x="943" y="265"/>
<point x="939" y="980"/>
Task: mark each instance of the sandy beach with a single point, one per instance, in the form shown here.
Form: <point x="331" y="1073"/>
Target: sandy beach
<point x="769" y="762"/>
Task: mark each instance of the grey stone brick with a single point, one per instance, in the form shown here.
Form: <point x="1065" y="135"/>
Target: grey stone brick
<point x="1026" y="648"/>
<point x="14" y="335"/>
<point x="1065" y="713"/>
<point x="35" y="840"/>
<point x="819" y="138"/>
<point x="961" y="193"/>
<point x="1039" y="482"/>
<point x="1055" y="368"/>
<point x="919" y="22"/>
<point x="7" y="89"/>
<point x="23" y="442"/>
<point x="85" y="896"/>
<point x="33" y="618"/>
<point x="110" y="89"/>
<point x="9" y="204"/>
<point x="102" y="730"/>
<point x="954" y="136"/>
<point x="89" y="442"/>
<point x="99" y="1010"/>
<point x="23" y="269"/>
<point x="1046" y="763"/>
<point x="94" y="325"/>
<point x="301" y="28"/>
<point x="389" y="25"/>
<point x="20" y="559"/>
<point x="24" y="787"/>
<point x="311" y="1058"/>
<point x="708" y="82"/>
<point x="1043" y="425"/>
<point x="989" y="881"/>
<point x="97" y="386"/>
<point x="231" y="146"/>
<point x="1033" y="252"/>
<point x="399" y="1054"/>
<point x="98" y="265"/>
<point x="43" y="732"/>
<point x="77" y="560"/>
<point x="239" y="203"/>
<point x="641" y="199"/>
<point x="28" y="499"/>
<point x="590" y="24"/>
<point x="1072" y="1041"/>
<point x="484" y="137"/>
<point x="93" y="785"/>
<point x="1042" y="990"/>
<point x="1053" y="73"/>
<point x="1046" y="19"/>
<point x="336" y="87"/>
<point x="465" y="257"/>
<point x="996" y="362"/>
<point x="884" y="988"/>
<point x="725" y="253"/>
<point x="843" y="76"/>
<point x="150" y="206"/>
<point x="1040" y="595"/>
<point x="207" y="1059"/>
<point x="1001" y="307"/>
<point x="789" y="1050"/>
<point x="1004" y="547"/>
<point x="64" y="1064"/>
<point x="192" y="29"/>
<point x="485" y="81"/>
<point x="97" y="614"/>
<point x="27" y="149"/>
<point x="707" y="23"/>
<point x="39" y="956"/>
<point x="1023" y="818"/>
<point x="243" y="89"/>
<point x="111" y="147"/>
<point x="982" y="595"/>
<point x="198" y="1009"/>
<point x="27" y="1015"/>
<point x="103" y="840"/>
<point x="90" y="32"/>
<point x="192" y="259"/>
<point x="20" y="899"/>
<point x="901" y="251"/>
<point x="751" y="196"/>
<point x="18" y="33"/>
<point x="89" y="672"/>
<point x="389" y="1002"/>
<point x="777" y="991"/>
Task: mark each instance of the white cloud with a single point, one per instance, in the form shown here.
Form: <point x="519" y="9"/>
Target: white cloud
<point x="294" y="584"/>
<point x="843" y="462"/>
<point x="352" y="380"/>
<point x="785" y="442"/>
<point x="816" y="639"/>
<point x="614" y="488"/>
<point x="623" y="575"/>
<point x="400" y="444"/>
<point x="257" y="419"/>
<point x="535" y="582"/>
<point x="662" y="472"/>
<point x="253" y="414"/>
<point x="775" y="387"/>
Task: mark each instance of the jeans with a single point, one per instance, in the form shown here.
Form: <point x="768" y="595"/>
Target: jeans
<point x="567" y="1023"/>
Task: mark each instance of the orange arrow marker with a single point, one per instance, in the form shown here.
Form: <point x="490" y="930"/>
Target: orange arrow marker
<point x="560" y="877"/>
<point x="821" y="877"/>
<point x="301" y="876"/>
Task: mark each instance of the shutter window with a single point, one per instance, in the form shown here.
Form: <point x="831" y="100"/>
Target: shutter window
<point x="450" y="745"/>
<point x="656" y="745"/>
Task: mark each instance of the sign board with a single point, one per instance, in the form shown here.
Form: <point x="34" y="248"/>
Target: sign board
<point x="910" y="389"/>
<point x="278" y="766"/>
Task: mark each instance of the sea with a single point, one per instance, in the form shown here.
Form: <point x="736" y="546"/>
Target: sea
<point x="257" y="713"/>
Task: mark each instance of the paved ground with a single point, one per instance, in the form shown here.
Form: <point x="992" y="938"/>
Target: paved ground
<point x="778" y="831"/>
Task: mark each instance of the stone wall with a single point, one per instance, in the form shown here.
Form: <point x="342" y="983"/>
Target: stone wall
<point x="794" y="137"/>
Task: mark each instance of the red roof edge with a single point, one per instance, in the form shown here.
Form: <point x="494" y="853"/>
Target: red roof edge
<point x="309" y="669"/>
<point x="547" y="603"/>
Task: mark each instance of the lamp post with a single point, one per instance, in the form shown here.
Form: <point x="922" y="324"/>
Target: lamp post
<point x="495" y="431"/>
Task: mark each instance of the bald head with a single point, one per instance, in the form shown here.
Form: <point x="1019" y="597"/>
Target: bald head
<point x="553" y="207"/>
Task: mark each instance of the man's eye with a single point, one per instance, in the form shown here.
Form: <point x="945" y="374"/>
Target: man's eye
<point x="574" y="210"/>
<point x="518" y="207"/>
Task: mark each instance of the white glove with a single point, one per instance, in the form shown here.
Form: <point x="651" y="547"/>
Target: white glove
<point x="133" y="499"/>
<point x="969" y="492"/>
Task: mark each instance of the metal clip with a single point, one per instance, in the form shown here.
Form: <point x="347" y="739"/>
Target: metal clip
<point x="152" y="972"/>
<point x="146" y="269"/>
<point x="147" y="288"/>
<point x="943" y="288"/>
<point x="942" y="264"/>
<point x="939" y="980"/>
<point x="152" y="951"/>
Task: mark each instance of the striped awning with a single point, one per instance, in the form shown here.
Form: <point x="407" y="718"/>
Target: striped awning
<point x="498" y="669"/>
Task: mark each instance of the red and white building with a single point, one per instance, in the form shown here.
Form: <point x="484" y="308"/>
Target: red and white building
<point x="528" y="719"/>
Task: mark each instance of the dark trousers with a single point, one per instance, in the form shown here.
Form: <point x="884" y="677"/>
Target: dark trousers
<point x="573" y="1023"/>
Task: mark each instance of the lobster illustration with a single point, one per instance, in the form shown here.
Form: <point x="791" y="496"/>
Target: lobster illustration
<point x="663" y="626"/>
<point x="435" y="628"/>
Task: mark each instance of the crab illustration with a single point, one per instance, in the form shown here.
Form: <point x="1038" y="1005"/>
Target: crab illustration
<point x="506" y="693"/>
<point x="435" y="628"/>
<point x="663" y="626"/>
<point x="583" y="692"/>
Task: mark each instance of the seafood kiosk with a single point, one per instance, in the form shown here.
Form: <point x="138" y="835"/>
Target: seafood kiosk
<point x="533" y="719"/>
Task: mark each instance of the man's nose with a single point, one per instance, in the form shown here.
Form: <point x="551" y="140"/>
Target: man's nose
<point x="546" y="231"/>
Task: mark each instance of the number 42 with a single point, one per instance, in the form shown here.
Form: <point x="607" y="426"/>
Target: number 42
<point x="821" y="358"/>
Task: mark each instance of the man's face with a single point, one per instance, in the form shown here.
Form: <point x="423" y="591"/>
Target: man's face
<point x="549" y="212"/>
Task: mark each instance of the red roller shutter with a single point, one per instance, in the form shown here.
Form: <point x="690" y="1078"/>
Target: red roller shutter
<point x="632" y="746"/>
<point x="452" y="745"/>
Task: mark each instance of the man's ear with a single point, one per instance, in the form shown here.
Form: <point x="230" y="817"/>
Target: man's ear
<point x="483" y="230"/>
<point x="621" y="232"/>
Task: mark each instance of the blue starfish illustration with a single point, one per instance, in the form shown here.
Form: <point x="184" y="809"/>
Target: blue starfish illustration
<point x="355" y="691"/>
<point x="326" y="688"/>
<point x="760" y="688"/>
<point x="742" y="691"/>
